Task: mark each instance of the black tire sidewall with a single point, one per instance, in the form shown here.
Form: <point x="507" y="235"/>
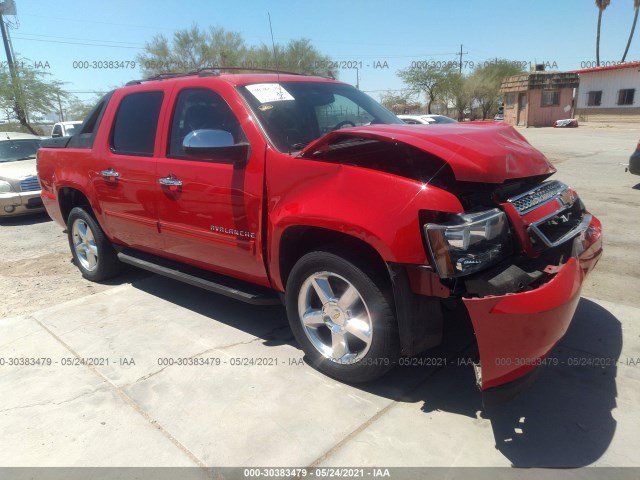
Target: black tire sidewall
<point x="384" y="349"/>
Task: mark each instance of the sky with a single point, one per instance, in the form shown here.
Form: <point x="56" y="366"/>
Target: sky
<point x="377" y="37"/>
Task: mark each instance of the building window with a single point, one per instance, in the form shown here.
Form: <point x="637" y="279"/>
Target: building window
<point x="550" y="97"/>
<point x="508" y="99"/>
<point x="625" y="97"/>
<point x="595" y="98"/>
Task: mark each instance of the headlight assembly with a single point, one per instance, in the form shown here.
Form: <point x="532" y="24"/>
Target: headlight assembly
<point x="5" y="187"/>
<point x="468" y="242"/>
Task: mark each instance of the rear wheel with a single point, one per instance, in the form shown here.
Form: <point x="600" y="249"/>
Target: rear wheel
<point x="92" y="252"/>
<point x="341" y="318"/>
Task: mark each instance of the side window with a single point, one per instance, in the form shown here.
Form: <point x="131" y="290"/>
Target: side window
<point x="197" y="109"/>
<point x="57" y="131"/>
<point x="134" y="128"/>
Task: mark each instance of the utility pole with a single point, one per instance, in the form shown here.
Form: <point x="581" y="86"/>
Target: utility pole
<point x="15" y="84"/>
<point x="60" y="109"/>
<point x="7" y="50"/>
<point x="461" y="53"/>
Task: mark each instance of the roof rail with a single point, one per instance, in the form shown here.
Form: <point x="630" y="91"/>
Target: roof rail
<point x="214" y="71"/>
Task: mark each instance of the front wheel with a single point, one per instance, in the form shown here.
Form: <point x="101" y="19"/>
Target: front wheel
<point x="341" y="318"/>
<point x="92" y="252"/>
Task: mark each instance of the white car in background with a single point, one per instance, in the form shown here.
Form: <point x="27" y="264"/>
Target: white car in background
<point x="426" y="119"/>
<point x="65" y="129"/>
<point x="19" y="186"/>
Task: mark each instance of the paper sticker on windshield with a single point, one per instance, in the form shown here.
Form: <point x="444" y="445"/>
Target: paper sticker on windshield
<point x="269" y="92"/>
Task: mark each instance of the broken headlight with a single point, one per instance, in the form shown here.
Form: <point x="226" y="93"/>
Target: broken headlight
<point x="468" y="242"/>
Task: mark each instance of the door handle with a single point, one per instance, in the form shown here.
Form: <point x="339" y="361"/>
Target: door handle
<point x="171" y="181"/>
<point x="110" y="174"/>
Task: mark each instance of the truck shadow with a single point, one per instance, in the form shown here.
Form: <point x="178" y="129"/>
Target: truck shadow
<point x="268" y="323"/>
<point x="564" y="419"/>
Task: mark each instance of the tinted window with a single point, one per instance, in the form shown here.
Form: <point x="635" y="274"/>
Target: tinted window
<point x="134" y="129"/>
<point x="198" y="109"/>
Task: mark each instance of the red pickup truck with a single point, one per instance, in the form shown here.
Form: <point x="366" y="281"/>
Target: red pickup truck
<point x="279" y="187"/>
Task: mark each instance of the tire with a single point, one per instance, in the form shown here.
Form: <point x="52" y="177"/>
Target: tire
<point x="341" y="319"/>
<point x="92" y="252"/>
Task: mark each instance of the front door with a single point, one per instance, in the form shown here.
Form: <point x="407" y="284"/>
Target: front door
<point x="210" y="210"/>
<point x="522" y="105"/>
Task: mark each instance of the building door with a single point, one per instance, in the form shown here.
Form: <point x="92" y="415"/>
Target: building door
<point x="522" y="105"/>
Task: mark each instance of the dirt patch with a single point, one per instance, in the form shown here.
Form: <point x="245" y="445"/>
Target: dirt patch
<point x="36" y="270"/>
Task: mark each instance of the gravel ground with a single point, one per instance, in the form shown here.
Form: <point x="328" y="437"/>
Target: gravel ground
<point x="36" y="269"/>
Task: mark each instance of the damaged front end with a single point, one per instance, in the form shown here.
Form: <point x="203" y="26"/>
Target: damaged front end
<point x="514" y="249"/>
<point x="518" y="269"/>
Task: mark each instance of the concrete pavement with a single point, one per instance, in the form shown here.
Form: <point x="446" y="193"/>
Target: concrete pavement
<point x="243" y="396"/>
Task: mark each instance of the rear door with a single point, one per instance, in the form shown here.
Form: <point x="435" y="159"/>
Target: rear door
<point x="212" y="216"/>
<point x="125" y="178"/>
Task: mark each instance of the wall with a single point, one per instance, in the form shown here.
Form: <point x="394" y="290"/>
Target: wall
<point x="540" y="116"/>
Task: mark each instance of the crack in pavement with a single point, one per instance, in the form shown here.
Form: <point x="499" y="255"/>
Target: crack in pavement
<point x="129" y="401"/>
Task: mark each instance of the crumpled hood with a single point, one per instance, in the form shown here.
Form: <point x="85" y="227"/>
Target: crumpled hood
<point x="18" y="170"/>
<point x="476" y="151"/>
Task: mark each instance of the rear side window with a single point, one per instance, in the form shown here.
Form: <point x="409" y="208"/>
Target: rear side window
<point x="89" y="128"/>
<point x="135" y="125"/>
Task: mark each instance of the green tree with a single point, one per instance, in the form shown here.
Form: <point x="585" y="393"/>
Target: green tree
<point x="196" y="48"/>
<point x="636" y="4"/>
<point x="431" y="80"/>
<point x="602" y="5"/>
<point x="76" y="109"/>
<point x="30" y="92"/>
<point x="484" y="83"/>
<point x="458" y="93"/>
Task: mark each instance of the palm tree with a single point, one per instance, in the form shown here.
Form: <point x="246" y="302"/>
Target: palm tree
<point x="601" y="4"/>
<point x="633" y="27"/>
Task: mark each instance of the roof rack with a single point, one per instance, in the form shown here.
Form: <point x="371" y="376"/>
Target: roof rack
<point x="212" y="71"/>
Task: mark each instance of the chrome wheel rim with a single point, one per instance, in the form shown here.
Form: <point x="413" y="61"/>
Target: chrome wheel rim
<point x="84" y="244"/>
<point x="335" y="317"/>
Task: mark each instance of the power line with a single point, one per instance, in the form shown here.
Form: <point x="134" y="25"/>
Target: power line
<point x="76" y="38"/>
<point x="77" y="43"/>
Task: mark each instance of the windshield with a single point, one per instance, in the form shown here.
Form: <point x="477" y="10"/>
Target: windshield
<point x="11" y="150"/>
<point x="293" y="114"/>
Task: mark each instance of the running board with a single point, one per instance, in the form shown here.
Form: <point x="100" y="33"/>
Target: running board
<point x="228" y="287"/>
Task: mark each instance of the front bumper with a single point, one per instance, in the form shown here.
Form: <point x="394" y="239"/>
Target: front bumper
<point x="20" y="203"/>
<point x="516" y="332"/>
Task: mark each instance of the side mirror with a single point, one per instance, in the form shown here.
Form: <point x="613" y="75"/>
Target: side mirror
<point x="215" y="145"/>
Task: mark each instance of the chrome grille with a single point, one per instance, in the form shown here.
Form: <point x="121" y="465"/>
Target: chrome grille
<point x="30" y="184"/>
<point x="529" y="200"/>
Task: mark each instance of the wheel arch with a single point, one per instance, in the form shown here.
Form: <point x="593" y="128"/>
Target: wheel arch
<point x="70" y="197"/>
<point x="297" y="241"/>
<point x="419" y="317"/>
